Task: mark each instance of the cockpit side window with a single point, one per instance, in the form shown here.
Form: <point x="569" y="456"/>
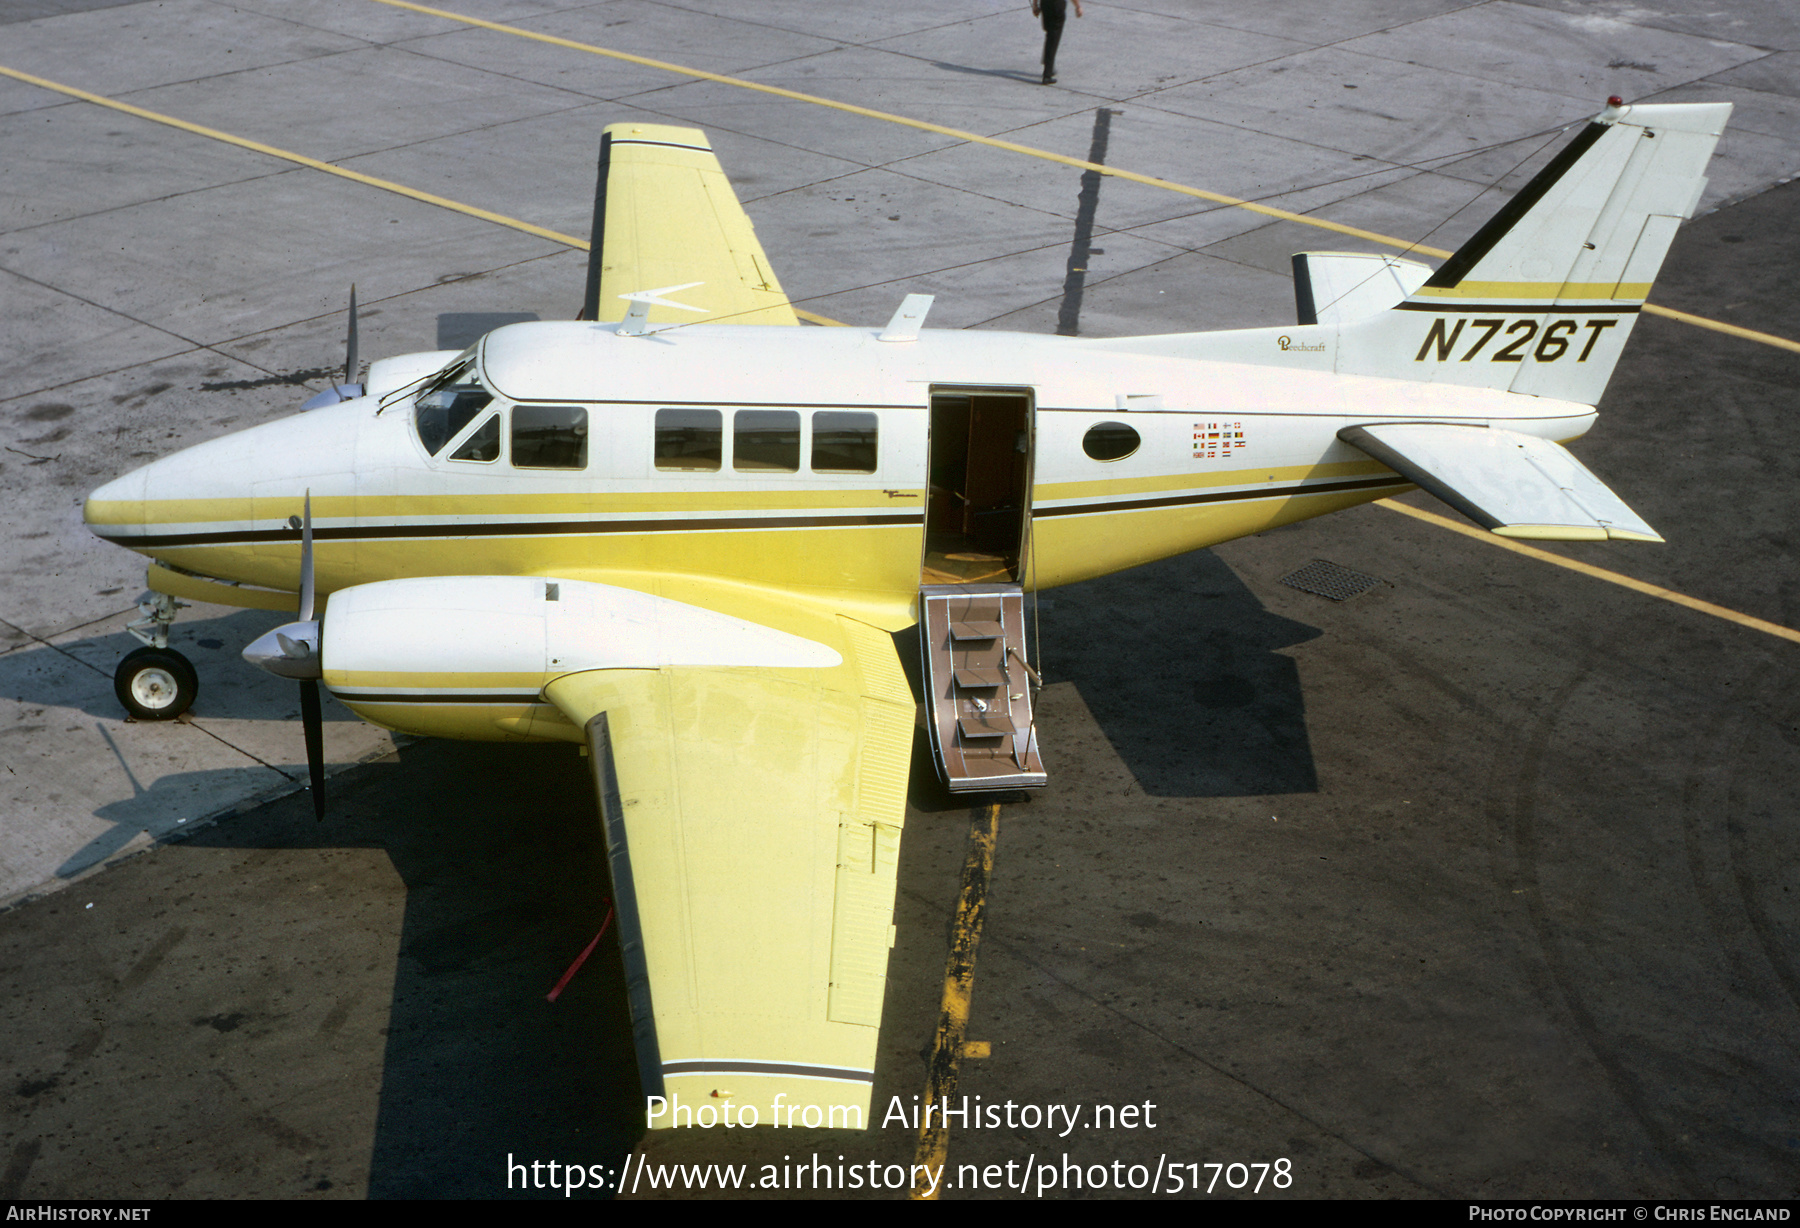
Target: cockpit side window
<point x="441" y="415"/>
<point x="483" y="444"/>
<point x="447" y="404"/>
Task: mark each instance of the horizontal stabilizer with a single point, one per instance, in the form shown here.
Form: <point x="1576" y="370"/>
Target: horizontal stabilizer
<point x="1514" y="484"/>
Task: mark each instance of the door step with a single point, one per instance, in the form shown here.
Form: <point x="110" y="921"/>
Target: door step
<point x="982" y="733"/>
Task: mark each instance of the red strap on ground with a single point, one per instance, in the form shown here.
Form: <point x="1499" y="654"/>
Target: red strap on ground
<point x="582" y="958"/>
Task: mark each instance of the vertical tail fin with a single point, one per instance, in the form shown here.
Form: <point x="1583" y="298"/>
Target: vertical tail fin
<point x="1541" y="299"/>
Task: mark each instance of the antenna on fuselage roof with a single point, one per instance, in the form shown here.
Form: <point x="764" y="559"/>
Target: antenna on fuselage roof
<point x="637" y="317"/>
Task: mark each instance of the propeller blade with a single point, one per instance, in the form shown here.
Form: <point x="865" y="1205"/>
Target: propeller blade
<point x="312" y="719"/>
<point x="306" y="562"/>
<point x="350" y="363"/>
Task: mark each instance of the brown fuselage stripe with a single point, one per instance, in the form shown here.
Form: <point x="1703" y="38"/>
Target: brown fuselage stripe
<point x="1461" y="307"/>
<point x="1226" y="496"/>
<point x="558" y="528"/>
<point x="433" y="697"/>
<point x="511" y="528"/>
<point x="768" y="1068"/>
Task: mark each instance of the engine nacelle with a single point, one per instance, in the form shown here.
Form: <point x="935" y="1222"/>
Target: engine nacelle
<point x="469" y="656"/>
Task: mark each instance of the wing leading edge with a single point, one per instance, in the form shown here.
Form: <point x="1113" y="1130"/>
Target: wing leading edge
<point x="753" y="820"/>
<point x="665" y="215"/>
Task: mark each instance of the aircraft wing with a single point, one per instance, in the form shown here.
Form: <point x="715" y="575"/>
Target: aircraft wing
<point x="753" y="818"/>
<point x="1514" y="484"/>
<point x="664" y="217"/>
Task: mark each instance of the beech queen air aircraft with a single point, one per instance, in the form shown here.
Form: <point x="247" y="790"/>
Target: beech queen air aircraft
<point x="686" y="545"/>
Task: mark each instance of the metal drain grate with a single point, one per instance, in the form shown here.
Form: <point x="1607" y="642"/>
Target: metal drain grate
<point x="1330" y="580"/>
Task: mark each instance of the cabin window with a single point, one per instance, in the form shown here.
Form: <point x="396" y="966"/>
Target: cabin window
<point x="843" y="442"/>
<point x="766" y="439"/>
<point x="692" y="439"/>
<point x="483" y="444"/>
<point x="440" y="413"/>
<point x="549" y="437"/>
<point x="1110" y="441"/>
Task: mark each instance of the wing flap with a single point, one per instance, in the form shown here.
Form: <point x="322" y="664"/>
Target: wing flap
<point x="759" y="812"/>
<point x="1513" y="484"/>
<point x="665" y="215"/>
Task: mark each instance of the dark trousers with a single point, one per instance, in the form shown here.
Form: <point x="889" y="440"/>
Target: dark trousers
<point x="1054" y="12"/>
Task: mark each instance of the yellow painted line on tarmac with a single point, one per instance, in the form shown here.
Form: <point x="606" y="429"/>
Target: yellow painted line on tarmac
<point x="1719" y="326"/>
<point x="1599" y="573"/>
<point x="948" y="1047"/>
<point x="1733" y="330"/>
<point x="300" y="159"/>
<point x="908" y="122"/>
<point x="288" y="155"/>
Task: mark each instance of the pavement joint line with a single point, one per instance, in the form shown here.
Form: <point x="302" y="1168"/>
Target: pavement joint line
<point x="317" y="164"/>
<point x="137" y="847"/>
<point x="41" y="642"/>
<point x="908" y="122"/>
<point x="1285" y="215"/>
<point x="953" y="1017"/>
<point x="1599" y="573"/>
<point x="248" y="754"/>
<point x="194" y="346"/>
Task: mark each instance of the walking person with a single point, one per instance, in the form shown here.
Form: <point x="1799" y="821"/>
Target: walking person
<point x="1053" y="12"/>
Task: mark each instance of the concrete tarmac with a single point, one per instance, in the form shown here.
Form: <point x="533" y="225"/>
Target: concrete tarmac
<point x="1478" y="884"/>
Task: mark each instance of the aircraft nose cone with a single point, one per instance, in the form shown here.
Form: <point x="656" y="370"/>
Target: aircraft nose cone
<point x="116" y="506"/>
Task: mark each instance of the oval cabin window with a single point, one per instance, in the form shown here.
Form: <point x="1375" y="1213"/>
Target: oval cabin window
<point x="1110" y="441"/>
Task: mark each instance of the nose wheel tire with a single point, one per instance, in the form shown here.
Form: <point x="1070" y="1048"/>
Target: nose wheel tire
<point x="156" y="684"/>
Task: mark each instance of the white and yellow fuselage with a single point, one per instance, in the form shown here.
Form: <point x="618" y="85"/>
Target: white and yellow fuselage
<point x="1225" y="448"/>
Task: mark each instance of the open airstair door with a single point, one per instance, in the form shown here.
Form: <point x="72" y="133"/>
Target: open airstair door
<point x="972" y="615"/>
<point x="982" y="734"/>
<point x="980" y="492"/>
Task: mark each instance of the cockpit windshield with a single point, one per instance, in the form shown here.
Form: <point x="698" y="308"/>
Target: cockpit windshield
<point x="448" y="402"/>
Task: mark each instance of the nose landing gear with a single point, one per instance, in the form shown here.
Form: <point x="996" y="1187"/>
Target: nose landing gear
<point x="155" y="683"/>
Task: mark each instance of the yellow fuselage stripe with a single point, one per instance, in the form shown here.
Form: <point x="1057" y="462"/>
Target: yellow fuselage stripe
<point x="1599" y="573"/>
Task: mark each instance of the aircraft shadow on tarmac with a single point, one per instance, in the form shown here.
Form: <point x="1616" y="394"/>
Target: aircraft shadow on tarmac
<point x="506" y="882"/>
<point x="157" y="810"/>
<point x="1178" y="664"/>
